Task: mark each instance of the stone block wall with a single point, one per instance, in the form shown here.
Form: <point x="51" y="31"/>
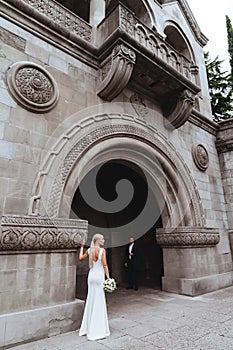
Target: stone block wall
<point x="32" y="280"/>
<point x="26" y="136"/>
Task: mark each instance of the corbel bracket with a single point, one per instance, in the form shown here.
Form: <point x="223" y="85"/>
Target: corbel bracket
<point x="177" y="109"/>
<point x="116" y="71"/>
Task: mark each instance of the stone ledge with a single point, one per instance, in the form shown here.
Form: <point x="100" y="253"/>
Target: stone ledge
<point x="197" y="286"/>
<point x="26" y="326"/>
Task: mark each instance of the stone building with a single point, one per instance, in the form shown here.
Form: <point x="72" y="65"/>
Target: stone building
<point x="94" y="92"/>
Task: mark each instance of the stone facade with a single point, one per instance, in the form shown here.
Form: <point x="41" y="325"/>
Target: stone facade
<point x="129" y="86"/>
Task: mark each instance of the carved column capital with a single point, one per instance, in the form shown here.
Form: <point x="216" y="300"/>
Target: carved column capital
<point x="116" y="72"/>
<point x="187" y="237"/>
<point x="177" y="109"/>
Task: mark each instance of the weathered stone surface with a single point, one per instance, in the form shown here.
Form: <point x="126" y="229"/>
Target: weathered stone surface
<point x="12" y="39"/>
<point x="45" y="156"/>
<point x="40" y="323"/>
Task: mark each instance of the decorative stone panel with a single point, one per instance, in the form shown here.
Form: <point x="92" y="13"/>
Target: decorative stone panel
<point x="187" y="237"/>
<point x="200" y="157"/>
<point x="27" y="233"/>
<point x="139" y="105"/>
<point x="32" y="86"/>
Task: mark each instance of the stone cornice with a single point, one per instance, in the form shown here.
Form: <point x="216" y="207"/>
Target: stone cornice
<point x="32" y="233"/>
<point x="203" y="122"/>
<point x="187" y="237"/>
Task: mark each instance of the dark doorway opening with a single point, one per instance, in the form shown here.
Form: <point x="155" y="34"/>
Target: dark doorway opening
<point x="151" y="259"/>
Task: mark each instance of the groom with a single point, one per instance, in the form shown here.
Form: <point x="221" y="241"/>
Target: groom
<point x="132" y="264"/>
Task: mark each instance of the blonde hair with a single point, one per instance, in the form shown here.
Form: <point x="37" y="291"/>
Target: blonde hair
<point x="95" y="238"/>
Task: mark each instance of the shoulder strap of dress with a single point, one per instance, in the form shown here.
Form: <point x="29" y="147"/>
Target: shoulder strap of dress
<point x="101" y="253"/>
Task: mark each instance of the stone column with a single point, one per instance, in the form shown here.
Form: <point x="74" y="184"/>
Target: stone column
<point x="192" y="265"/>
<point x="97" y="11"/>
<point x="224" y="144"/>
<point x="38" y="258"/>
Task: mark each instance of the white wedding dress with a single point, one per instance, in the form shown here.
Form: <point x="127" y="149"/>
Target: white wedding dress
<point x="95" y="320"/>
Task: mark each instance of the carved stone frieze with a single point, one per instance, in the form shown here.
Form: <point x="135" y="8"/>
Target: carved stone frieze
<point x="115" y="76"/>
<point x="177" y="109"/>
<point x="32" y="86"/>
<point x="200" y="157"/>
<point x="27" y="233"/>
<point x="187" y="237"/>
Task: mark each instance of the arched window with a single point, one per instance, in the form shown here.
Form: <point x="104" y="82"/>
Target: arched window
<point x="79" y="7"/>
<point x="177" y="40"/>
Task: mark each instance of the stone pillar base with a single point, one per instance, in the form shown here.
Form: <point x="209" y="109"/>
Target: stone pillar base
<point x="197" y="286"/>
<point x="26" y="326"/>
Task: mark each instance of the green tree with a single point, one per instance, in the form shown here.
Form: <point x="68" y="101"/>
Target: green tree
<point x="230" y="44"/>
<point x="220" y="89"/>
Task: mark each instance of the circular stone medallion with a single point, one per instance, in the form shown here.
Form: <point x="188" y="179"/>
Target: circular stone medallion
<point x="32" y="87"/>
<point x="200" y="157"/>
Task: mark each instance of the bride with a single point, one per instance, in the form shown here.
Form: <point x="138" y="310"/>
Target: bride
<point x="95" y="320"/>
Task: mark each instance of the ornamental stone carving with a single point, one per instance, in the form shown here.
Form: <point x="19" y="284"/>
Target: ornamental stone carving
<point x="138" y="105"/>
<point x="26" y="233"/>
<point x="32" y="87"/>
<point x="200" y="157"/>
<point x="177" y="109"/>
<point x="187" y="237"/>
<point x="115" y="75"/>
<point x="55" y="16"/>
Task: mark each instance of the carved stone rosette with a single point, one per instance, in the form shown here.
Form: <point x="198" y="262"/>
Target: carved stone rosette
<point x="32" y="86"/>
<point x="177" y="109"/>
<point x="116" y="72"/>
<point x="187" y="237"/>
<point x="26" y="233"/>
<point x="200" y="157"/>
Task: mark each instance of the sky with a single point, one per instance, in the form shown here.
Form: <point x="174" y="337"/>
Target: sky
<point x="210" y="16"/>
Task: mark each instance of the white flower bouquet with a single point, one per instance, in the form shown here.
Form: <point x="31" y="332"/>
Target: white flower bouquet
<point x="110" y="285"/>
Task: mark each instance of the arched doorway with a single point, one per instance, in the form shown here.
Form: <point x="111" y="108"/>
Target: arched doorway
<point x="87" y="143"/>
<point x="150" y="254"/>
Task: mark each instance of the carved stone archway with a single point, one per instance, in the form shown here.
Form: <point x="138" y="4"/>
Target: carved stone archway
<point x="102" y="137"/>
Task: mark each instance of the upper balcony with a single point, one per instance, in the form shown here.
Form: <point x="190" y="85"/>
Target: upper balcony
<point x="131" y="53"/>
<point x="126" y="51"/>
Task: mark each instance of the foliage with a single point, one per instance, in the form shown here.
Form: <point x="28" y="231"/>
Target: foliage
<point x="220" y="89"/>
<point x="230" y="44"/>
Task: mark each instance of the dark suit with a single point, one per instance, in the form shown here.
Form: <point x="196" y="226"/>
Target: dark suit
<point x="132" y="264"/>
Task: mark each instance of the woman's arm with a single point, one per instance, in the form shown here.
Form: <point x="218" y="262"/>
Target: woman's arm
<point x="82" y="255"/>
<point x="104" y="262"/>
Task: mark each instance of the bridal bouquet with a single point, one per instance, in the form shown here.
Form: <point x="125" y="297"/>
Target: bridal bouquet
<point x="110" y="285"/>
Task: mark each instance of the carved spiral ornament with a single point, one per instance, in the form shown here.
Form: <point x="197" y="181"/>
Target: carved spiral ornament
<point x="32" y="87"/>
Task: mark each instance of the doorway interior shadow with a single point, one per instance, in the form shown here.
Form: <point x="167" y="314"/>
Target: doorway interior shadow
<point x="150" y="264"/>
